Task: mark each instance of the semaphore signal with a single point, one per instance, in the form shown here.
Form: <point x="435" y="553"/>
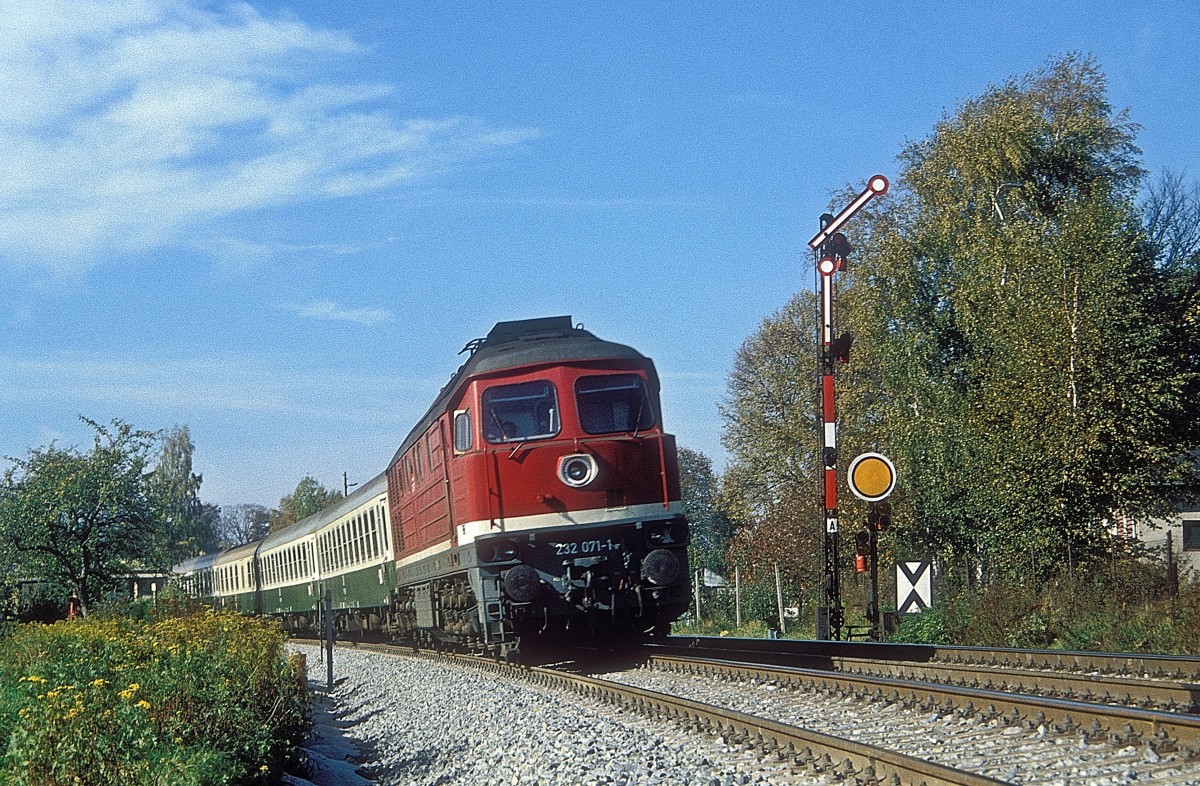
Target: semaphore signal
<point x="832" y="248"/>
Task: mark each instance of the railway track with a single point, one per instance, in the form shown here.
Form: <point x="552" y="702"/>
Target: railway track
<point x="823" y="756"/>
<point x="844" y="655"/>
<point x="1164" y="683"/>
<point x="1145" y="738"/>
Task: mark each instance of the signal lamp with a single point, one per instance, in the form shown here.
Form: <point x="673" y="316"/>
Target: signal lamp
<point x="838" y="247"/>
<point x="862" y="542"/>
<point x="840" y="347"/>
<point x="880" y="516"/>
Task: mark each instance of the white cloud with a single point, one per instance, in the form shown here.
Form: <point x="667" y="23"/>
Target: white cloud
<point x="258" y="386"/>
<point x="238" y="254"/>
<point x="125" y="123"/>
<point x="327" y="309"/>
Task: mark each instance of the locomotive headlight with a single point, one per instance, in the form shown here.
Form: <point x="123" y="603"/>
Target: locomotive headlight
<point x="496" y="550"/>
<point x="669" y="533"/>
<point x="661" y="536"/>
<point x="577" y="470"/>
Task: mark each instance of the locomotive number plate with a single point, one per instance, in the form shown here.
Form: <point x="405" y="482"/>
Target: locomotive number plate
<point x="586" y="547"/>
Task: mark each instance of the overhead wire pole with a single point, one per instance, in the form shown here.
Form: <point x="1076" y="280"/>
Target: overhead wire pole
<point x="831" y="249"/>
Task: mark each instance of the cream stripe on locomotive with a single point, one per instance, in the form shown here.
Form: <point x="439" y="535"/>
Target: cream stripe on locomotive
<point x="467" y="533"/>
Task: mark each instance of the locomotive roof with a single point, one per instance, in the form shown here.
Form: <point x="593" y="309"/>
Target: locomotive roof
<point x="526" y="342"/>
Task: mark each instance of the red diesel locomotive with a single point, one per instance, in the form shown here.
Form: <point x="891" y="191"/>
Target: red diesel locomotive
<point x="537" y="499"/>
<point x="539" y="496"/>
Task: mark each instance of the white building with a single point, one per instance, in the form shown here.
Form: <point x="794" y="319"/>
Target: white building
<point x="1179" y="536"/>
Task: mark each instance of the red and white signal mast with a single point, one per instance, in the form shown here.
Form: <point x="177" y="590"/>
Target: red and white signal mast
<point x="831" y="249"/>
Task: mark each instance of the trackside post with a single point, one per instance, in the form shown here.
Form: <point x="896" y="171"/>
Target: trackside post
<point x="329" y="640"/>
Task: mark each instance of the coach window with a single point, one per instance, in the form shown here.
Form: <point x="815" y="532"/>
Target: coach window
<point x="613" y="403"/>
<point x="515" y="413"/>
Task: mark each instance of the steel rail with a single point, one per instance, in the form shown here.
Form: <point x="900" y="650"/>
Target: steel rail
<point x="1170" y="667"/>
<point x="1165" y="731"/>
<point x="1064" y="676"/>
<point x="1124" y="691"/>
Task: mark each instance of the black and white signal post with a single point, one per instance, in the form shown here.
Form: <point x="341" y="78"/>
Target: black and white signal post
<point x="831" y="249"/>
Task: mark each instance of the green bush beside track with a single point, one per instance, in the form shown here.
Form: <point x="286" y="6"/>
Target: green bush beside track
<point x="196" y="698"/>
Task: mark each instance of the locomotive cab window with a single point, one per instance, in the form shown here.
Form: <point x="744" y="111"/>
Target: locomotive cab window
<point x="515" y="413"/>
<point x="613" y="403"/>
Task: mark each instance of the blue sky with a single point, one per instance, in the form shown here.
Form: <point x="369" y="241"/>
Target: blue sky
<point x="279" y="222"/>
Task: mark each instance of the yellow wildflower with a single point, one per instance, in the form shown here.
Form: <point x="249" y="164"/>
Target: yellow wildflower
<point x="99" y="683"/>
<point x="144" y="704"/>
<point x="33" y="678"/>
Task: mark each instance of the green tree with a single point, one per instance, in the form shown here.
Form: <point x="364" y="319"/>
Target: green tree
<point x="771" y="414"/>
<point x="80" y="520"/>
<point x="309" y="497"/>
<point x="1030" y="387"/>
<point x="710" y="527"/>
<point x="772" y="428"/>
<point x="186" y="524"/>
<point x="1171" y="216"/>
<point x="243" y="524"/>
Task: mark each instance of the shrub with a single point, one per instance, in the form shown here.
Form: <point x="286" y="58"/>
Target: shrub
<point x="926" y="627"/>
<point x="205" y="698"/>
<point x="1126" y="605"/>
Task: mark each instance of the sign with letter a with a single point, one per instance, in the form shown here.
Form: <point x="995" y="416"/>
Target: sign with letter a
<point x="914" y="586"/>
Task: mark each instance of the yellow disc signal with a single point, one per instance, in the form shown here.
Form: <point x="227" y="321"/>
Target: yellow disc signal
<point x="872" y="476"/>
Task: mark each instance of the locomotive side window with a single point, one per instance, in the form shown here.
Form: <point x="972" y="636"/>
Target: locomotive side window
<point x="514" y="413"/>
<point x="613" y="403"/>
<point x="462" y="431"/>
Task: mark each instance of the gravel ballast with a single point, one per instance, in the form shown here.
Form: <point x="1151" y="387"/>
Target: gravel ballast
<point x="417" y="722"/>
